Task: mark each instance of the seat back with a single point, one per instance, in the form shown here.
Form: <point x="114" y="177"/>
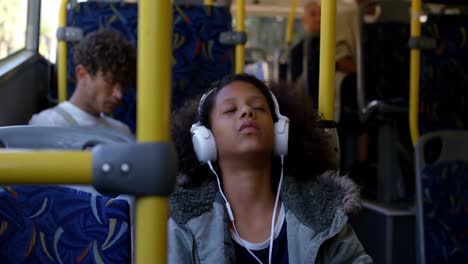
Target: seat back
<point x="58" y="224"/>
<point x="442" y="200"/>
<point x="53" y="224"/>
<point x="92" y="15"/>
<point x="198" y="56"/>
<point x="444" y="74"/>
<point x="383" y="57"/>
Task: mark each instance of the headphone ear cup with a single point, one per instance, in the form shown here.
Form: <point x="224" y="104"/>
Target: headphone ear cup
<point x="281" y="136"/>
<point x="204" y="143"/>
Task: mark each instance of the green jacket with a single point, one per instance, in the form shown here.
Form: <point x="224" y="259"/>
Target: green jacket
<point x="316" y="217"/>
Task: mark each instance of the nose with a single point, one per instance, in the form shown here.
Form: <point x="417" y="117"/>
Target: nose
<point x="117" y="92"/>
<point x="247" y="112"/>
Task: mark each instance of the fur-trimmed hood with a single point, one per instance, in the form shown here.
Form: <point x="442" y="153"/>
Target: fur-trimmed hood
<point x="314" y="202"/>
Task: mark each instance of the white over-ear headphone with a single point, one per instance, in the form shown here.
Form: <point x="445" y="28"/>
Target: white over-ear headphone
<point x="204" y="142"/>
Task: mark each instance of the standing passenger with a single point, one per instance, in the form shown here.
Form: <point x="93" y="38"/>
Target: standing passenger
<point x="305" y="54"/>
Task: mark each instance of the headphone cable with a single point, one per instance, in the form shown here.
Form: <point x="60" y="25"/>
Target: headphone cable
<point x="231" y="214"/>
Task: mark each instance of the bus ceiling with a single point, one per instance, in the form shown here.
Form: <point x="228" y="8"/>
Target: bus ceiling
<point x="278" y="7"/>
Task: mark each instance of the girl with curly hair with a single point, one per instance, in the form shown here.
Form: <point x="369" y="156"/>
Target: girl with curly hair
<point x="255" y="185"/>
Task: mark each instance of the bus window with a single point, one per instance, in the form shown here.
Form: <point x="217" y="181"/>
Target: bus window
<point x="13" y="21"/>
<point x="268" y="33"/>
<point x="49" y="25"/>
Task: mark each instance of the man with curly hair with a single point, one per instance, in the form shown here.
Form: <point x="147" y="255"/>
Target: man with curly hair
<point x="105" y="66"/>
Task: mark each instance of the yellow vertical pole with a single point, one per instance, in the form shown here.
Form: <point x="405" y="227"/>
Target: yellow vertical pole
<point x="327" y="59"/>
<point x="290" y="25"/>
<point x="209" y="5"/>
<point x="240" y="27"/>
<point x="154" y="94"/>
<point x="415" y="68"/>
<point x="62" y="55"/>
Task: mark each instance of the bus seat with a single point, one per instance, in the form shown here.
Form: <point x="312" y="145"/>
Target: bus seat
<point x="44" y="137"/>
<point x="54" y="224"/>
<point x="383" y="59"/>
<point x="442" y="200"/>
<point x="382" y="95"/>
<point x="444" y="74"/>
<point x="198" y="56"/>
<point x="58" y="224"/>
<point x="92" y="15"/>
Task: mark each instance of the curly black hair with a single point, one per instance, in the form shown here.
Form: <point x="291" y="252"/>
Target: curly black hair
<point x="308" y="153"/>
<point x="108" y="51"/>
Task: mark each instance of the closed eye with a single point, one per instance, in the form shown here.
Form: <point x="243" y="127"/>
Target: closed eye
<point x="229" y="110"/>
<point x="261" y="109"/>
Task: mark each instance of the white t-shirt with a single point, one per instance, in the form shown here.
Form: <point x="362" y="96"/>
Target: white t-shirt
<point x="68" y="115"/>
<point x="266" y="243"/>
<point x="346" y="42"/>
<point x="346" y="32"/>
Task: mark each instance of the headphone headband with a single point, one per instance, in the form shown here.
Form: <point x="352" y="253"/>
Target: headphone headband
<point x="276" y="105"/>
<point x="204" y="142"/>
<point x="202" y="101"/>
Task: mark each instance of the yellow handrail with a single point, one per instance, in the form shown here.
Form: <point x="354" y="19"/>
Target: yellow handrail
<point x="62" y="55"/>
<point x="153" y="120"/>
<point x="45" y="167"/>
<point x="240" y="27"/>
<point x="327" y="59"/>
<point x="415" y="68"/>
<point x="290" y="25"/>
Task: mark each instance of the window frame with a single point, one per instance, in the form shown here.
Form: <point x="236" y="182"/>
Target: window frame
<point x="31" y="45"/>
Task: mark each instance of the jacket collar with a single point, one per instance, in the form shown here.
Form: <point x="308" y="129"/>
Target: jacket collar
<point x="314" y="202"/>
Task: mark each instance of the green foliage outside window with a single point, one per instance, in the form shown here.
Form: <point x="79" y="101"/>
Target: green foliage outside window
<point x="13" y="22"/>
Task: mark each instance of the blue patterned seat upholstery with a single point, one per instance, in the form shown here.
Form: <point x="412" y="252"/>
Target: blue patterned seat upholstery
<point x="444" y="75"/>
<point x="54" y="224"/>
<point x="198" y="57"/>
<point x="122" y="17"/>
<point x="62" y="224"/>
<point x="445" y="204"/>
<point x="442" y="200"/>
<point x="442" y="181"/>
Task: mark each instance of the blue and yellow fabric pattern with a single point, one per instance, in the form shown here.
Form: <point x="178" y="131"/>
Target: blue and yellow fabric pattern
<point x="122" y="17"/>
<point x="445" y="203"/>
<point x="444" y="74"/>
<point x="54" y="224"/>
<point x="198" y="56"/>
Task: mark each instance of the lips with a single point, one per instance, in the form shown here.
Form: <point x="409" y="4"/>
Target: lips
<point x="248" y="127"/>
